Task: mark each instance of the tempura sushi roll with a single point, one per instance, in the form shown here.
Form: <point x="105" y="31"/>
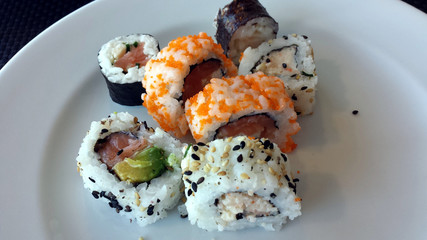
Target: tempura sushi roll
<point x="239" y="183"/>
<point x="242" y="24"/>
<point x="122" y="61"/>
<point x="253" y="105"/>
<point x="180" y="71"/>
<point x="291" y="59"/>
<point x="131" y="167"/>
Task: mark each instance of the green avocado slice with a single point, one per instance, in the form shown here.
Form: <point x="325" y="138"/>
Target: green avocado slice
<point x="142" y="167"/>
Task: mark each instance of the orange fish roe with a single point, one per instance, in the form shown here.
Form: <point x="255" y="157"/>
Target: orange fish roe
<point x="164" y="78"/>
<point x="230" y="99"/>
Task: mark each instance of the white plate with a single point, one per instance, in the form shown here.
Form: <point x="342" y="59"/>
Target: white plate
<point x="362" y="176"/>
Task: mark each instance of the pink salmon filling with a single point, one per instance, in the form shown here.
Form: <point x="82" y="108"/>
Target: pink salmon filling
<point x="118" y="146"/>
<point x="132" y="58"/>
<point x="258" y="126"/>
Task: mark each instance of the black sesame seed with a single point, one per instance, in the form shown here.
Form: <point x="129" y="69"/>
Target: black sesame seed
<point x="200" y="180"/>
<point x="201" y="144"/>
<point x="240" y="158"/>
<point x="287" y="178"/>
<point x="294" y="97"/>
<point x="104" y="130"/>
<point x="291" y="185"/>
<point x="298" y="113"/>
<point x="285" y="158"/>
<point x="267" y="144"/>
<point x="284" y="65"/>
<point x="102" y="194"/>
<point x="128" y="208"/>
<point x="188" y="173"/>
<point x="252" y="153"/>
<point x="150" y="210"/>
<point x="268" y="158"/>
<point x="237" y="147"/>
<point x="239" y="216"/>
<point x="184" y="216"/>
<point x="272" y="195"/>
<point x="304" y="88"/>
<point x="95" y="194"/>
<point x="285" y="37"/>
<point x="355" y="112"/>
<point x="296" y="179"/>
<point x="195" y="157"/>
<point x="119" y="152"/>
<point x="216" y="202"/>
<point x="195" y="148"/>
<point x="267" y="60"/>
<point x="271" y="146"/>
<point x="121" y="190"/>
<point x="242" y="144"/>
<point x="92" y="180"/>
<point x="158" y="200"/>
<point x="294" y="75"/>
<point x="304" y="36"/>
<point x="189" y="192"/>
<point x="194" y="186"/>
<point x="188" y="180"/>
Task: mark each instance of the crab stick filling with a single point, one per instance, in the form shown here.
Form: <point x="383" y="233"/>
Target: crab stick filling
<point x="199" y="76"/>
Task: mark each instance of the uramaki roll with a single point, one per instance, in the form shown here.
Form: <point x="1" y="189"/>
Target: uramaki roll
<point x="181" y="70"/>
<point x="253" y="105"/>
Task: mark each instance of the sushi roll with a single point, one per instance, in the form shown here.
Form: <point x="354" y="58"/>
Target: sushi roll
<point x="181" y="70"/>
<point x="238" y="183"/>
<point x="131" y="167"/>
<point x="122" y="61"/>
<point x="253" y="105"/>
<point x="242" y="24"/>
<point x="291" y="59"/>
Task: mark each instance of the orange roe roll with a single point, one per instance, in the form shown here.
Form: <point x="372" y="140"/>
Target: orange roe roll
<point x="254" y="105"/>
<point x="181" y="70"/>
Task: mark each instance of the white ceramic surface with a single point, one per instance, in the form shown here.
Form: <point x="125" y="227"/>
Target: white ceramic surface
<point x="362" y="176"/>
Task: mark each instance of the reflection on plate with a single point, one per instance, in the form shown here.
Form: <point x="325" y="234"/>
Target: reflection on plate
<point x="362" y="176"/>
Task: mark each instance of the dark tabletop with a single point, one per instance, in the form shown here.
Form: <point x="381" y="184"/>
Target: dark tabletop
<point x="22" y="20"/>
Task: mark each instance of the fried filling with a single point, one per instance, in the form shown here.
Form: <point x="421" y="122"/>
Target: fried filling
<point x="237" y="205"/>
<point x="280" y="62"/>
<point x="200" y="75"/>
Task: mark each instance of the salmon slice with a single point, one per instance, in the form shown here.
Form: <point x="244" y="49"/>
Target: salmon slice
<point x="258" y="126"/>
<point x="118" y="146"/>
<point x="199" y="76"/>
<point x="133" y="57"/>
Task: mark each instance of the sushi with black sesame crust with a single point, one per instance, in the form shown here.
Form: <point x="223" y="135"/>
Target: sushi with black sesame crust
<point x="242" y="24"/>
<point x="291" y="59"/>
<point x="122" y="61"/>
<point x="131" y="167"/>
<point x="237" y="183"/>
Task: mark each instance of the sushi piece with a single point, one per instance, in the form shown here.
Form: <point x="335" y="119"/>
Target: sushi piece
<point x="291" y="59"/>
<point x="239" y="183"/>
<point x="242" y="24"/>
<point x="131" y="167"/>
<point x="122" y="61"/>
<point x="181" y="70"/>
<point x="253" y="105"/>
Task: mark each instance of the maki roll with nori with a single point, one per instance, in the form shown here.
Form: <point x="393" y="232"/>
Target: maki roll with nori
<point x="291" y="59"/>
<point x="181" y="70"/>
<point x="131" y="167"/>
<point x="122" y="62"/>
<point x="238" y="183"/>
<point x="242" y="24"/>
<point x="254" y="105"/>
